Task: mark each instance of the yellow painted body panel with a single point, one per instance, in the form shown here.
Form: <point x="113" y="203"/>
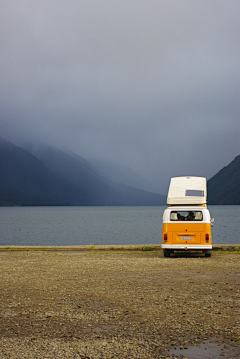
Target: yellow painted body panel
<point x="180" y="233"/>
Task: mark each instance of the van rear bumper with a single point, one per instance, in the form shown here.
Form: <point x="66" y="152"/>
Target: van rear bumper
<point x="186" y="246"/>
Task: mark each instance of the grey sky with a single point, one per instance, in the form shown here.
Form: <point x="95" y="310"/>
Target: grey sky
<point x="151" y="84"/>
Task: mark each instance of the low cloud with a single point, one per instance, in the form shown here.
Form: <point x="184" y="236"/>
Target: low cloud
<point x="153" y="85"/>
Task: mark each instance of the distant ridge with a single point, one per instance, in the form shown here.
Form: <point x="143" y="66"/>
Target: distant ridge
<point x="49" y="177"/>
<point x="224" y="187"/>
<point x="25" y="180"/>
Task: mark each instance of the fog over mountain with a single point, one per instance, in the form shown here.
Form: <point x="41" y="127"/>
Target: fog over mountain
<point x="122" y="174"/>
<point x="44" y="175"/>
<point x="49" y="176"/>
<point x="148" y="85"/>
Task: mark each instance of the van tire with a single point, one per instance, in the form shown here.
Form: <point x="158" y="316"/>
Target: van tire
<point x="166" y="253"/>
<point x="208" y="254"/>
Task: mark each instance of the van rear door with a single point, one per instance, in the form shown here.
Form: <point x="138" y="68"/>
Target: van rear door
<point x="187" y="227"/>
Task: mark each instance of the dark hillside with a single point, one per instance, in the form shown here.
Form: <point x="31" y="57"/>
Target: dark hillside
<point x="138" y="196"/>
<point x="100" y="190"/>
<point x="224" y="187"/>
<point x="25" y="180"/>
<point x="52" y="177"/>
<point x="77" y="172"/>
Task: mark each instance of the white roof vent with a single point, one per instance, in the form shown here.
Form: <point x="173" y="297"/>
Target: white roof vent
<point x="187" y="190"/>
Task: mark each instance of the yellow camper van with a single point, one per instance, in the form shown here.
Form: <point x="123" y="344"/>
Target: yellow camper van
<point x="187" y="221"/>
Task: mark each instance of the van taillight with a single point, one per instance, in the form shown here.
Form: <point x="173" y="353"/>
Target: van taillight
<point x="165" y="237"/>
<point x="207" y="237"/>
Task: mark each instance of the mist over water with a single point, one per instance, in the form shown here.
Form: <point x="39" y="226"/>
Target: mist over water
<point x="101" y="225"/>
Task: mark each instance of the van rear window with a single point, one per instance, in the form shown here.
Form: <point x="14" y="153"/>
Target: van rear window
<point x="186" y="216"/>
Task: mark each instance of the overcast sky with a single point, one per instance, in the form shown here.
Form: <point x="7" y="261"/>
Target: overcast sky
<point x="151" y="84"/>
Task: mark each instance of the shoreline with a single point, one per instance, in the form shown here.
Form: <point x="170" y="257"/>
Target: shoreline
<point x="101" y="304"/>
<point x="119" y="247"/>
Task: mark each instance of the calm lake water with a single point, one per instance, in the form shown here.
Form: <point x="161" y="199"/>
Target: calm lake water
<point x="101" y="225"/>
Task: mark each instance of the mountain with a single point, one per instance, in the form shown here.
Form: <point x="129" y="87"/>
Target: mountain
<point x="48" y="176"/>
<point x="224" y="187"/>
<point x="137" y="196"/>
<point x="25" y="180"/>
<point x="122" y="174"/>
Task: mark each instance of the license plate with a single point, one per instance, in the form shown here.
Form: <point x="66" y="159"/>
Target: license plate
<point x="186" y="238"/>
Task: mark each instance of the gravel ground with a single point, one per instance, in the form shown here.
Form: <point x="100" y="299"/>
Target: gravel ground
<point x="116" y="304"/>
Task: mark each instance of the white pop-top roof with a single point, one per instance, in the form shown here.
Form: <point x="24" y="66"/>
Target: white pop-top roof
<point x="187" y="190"/>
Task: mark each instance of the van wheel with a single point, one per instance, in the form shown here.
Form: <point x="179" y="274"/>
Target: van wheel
<point x="166" y="252"/>
<point x="208" y="254"/>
